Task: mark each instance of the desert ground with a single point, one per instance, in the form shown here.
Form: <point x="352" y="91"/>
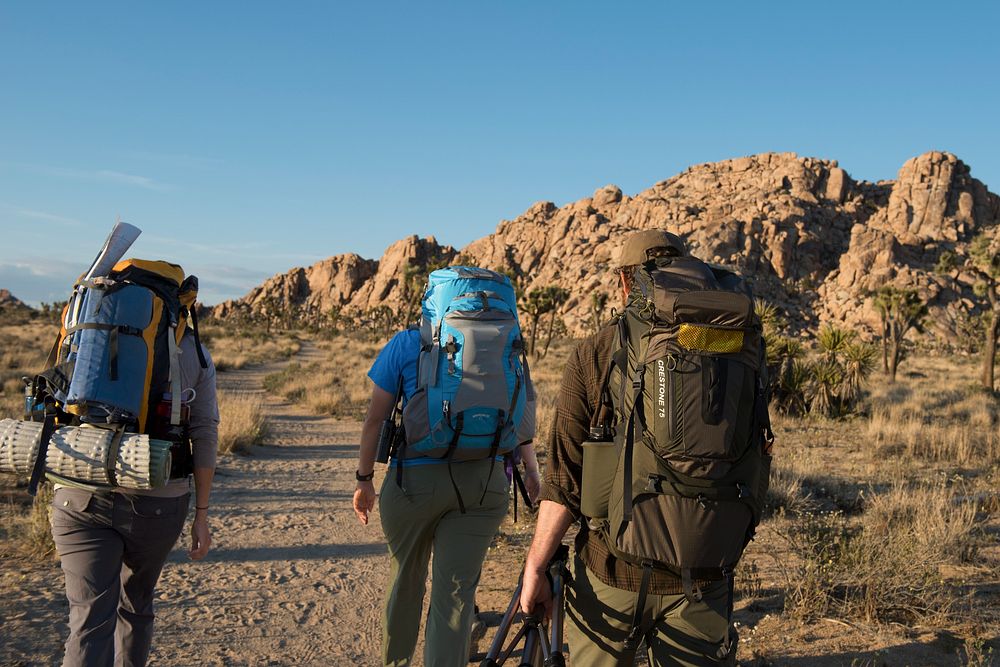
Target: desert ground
<point x="880" y="547"/>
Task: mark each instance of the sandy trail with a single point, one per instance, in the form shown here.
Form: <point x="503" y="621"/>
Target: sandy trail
<point x="292" y="577"/>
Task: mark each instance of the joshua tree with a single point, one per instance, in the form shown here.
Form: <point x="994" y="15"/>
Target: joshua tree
<point x="791" y="385"/>
<point x="900" y="310"/>
<point x="383" y="321"/>
<point x="598" y="301"/>
<point x="772" y="320"/>
<point x="559" y="296"/>
<point x="537" y="303"/>
<point x="414" y="281"/>
<point x="984" y="261"/>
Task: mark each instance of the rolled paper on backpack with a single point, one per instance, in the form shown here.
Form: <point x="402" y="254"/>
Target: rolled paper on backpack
<point x="121" y="238"/>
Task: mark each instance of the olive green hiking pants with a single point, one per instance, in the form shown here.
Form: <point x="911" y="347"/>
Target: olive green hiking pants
<point x="677" y="632"/>
<point x="424" y="518"/>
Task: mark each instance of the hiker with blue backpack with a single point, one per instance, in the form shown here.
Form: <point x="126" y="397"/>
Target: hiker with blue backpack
<point x="468" y="403"/>
<point x="127" y="413"/>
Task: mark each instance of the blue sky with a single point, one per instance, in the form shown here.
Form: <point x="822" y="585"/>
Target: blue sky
<point x="246" y="138"/>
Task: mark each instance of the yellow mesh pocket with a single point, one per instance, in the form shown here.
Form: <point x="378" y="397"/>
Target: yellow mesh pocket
<point x="710" y="339"/>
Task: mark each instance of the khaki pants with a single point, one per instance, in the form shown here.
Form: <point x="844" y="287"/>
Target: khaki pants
<point x="677" y="632"/>
<point x="112" y="548"/>
<point x="424" y="518"/>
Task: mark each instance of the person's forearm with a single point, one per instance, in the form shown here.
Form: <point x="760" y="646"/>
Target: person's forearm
<point x="528" y="457"/>
<point x="369" y="445"/>
<point x="202" y="486"/>
<point x="553" y="522"/>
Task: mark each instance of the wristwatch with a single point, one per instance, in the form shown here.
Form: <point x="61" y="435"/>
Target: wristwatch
<point x="364" y="478"/>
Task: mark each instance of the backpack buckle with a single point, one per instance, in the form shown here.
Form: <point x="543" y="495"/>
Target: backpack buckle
<point x="654" y="484"/>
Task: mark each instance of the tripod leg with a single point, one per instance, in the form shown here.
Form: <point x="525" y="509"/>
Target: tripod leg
<point x="501" y="636"/>
<point x="555" y="657"/>
<point x="530" y="656"/>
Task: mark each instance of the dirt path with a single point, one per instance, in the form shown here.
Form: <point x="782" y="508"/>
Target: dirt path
<point x="292" y="578"/>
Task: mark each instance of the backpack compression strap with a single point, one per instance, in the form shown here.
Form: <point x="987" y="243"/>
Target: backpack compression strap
<point x="175" y="376"/>
<point x="637" y="380"/>
<point x="193" y="312"/>
<point x="634" y="636"/>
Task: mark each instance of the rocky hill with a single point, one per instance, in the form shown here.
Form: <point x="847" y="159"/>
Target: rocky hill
<point x="814" y="240"/>
<point x="10" y="303"/>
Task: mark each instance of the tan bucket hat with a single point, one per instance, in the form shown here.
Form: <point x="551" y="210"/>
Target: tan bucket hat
<point x="635" y="248"/>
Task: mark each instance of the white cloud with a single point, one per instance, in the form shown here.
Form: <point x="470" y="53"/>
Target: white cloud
<point x="42" y="215"/>
<point x="184" y="160"/>
<point x="109" y="176"/>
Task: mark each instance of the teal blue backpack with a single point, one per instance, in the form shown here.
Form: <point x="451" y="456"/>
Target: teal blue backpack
<point x="473" y="388"/>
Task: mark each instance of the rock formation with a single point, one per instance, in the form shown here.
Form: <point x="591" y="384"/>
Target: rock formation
<point x="10" y="302"/>
<point x="814" y="240"/>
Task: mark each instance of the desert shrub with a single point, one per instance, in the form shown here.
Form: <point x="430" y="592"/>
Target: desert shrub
<point x="337" y="384"/>
<point x="26" y="531"/>
<point x="889" y="564"/>
<point x="242" y="422"/>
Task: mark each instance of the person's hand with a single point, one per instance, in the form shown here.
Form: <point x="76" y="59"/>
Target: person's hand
<point x="201" y="538"/>
<point x="532" y="484"/>
<point x="364" y="500"/>
<point x="536" y="590"/>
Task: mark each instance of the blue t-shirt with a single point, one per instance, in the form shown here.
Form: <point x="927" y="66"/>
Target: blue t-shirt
<point x="398" y="359"/>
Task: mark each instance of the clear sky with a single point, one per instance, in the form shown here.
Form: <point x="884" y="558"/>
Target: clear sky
<point x="246" y="138"/>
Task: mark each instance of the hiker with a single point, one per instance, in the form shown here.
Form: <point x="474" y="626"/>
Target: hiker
<point x="113" y="542"/>
<point x="445" y="491"/>
<point x="657" y="542"/>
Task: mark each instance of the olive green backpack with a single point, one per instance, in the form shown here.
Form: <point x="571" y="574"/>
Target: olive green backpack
<point x="691" y="437"/>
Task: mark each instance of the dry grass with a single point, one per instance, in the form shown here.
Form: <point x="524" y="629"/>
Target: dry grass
<point x="892" y="518"/>
<point x="242" y="422"/>
<point x="890" y="564"/>
<point x="949" y="425"/>
<point x="23" y="349"/>
<point x="336" y="385"/>
<point x="25" y="530"/>
<point x="234" y="348"/>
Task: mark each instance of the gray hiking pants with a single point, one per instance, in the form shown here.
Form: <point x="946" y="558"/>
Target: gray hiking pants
<point x="112" y="549"/>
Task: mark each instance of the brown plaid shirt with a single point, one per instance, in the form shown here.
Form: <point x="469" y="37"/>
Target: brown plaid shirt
<point x="579" y="397"/>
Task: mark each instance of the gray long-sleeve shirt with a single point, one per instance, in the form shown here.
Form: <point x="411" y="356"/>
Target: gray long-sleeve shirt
<point x="203" y="426"/>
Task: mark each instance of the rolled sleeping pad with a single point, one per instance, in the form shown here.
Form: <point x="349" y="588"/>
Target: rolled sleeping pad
<point x="78" y="454"/>
<point x="109" y="375"/>
<point x="19" y="441"/>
